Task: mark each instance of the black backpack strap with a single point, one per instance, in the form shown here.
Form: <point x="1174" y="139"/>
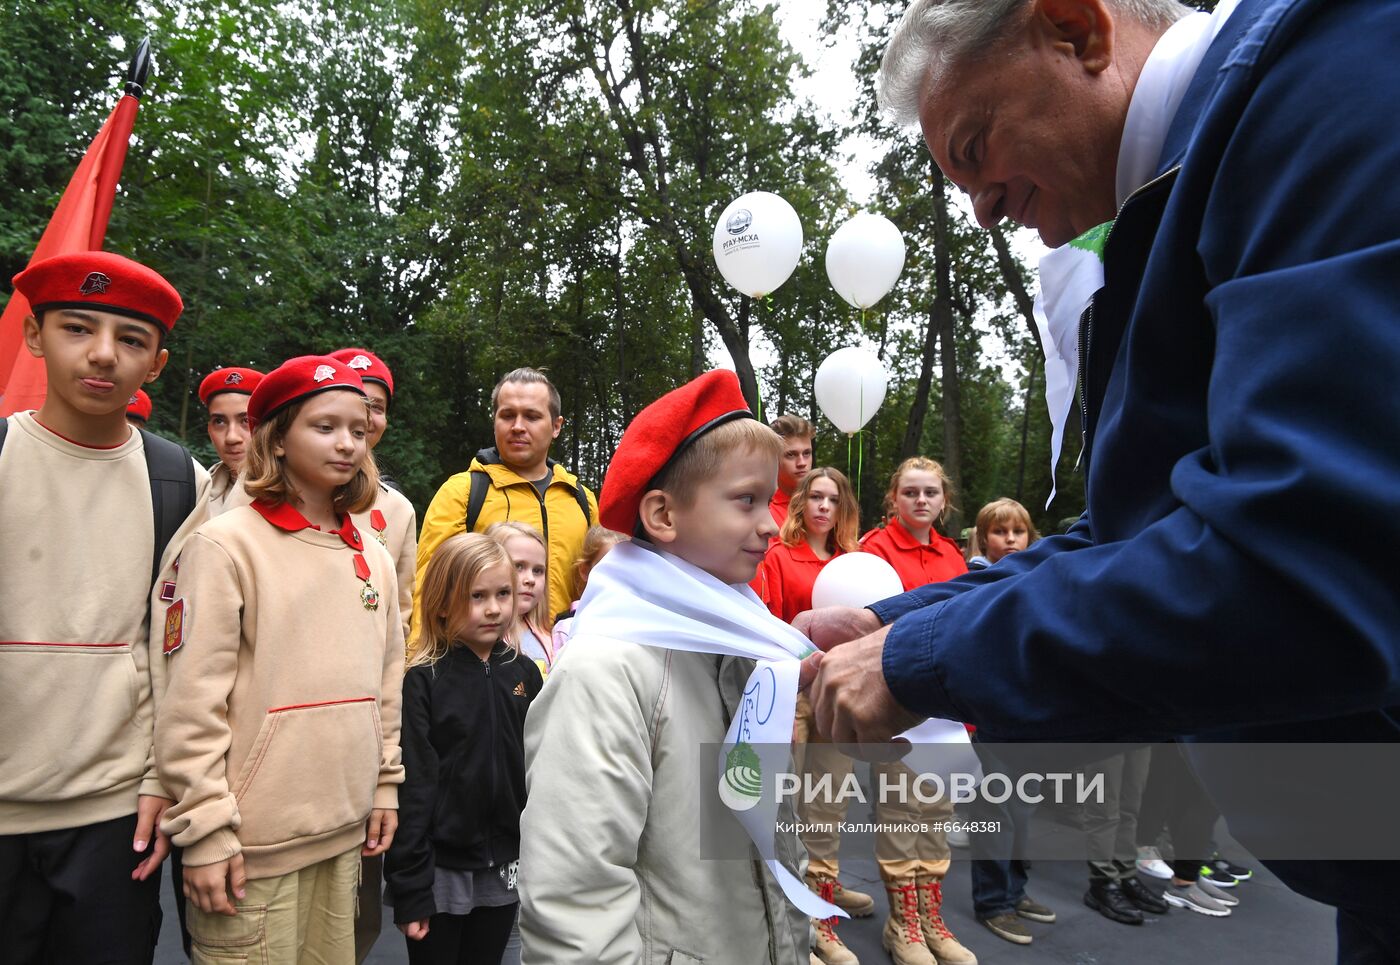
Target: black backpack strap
<point x="581" y="495"/>
<point x="481" y="482"/>
<point x="171" y="471"/>
<point x="4" y="428"/>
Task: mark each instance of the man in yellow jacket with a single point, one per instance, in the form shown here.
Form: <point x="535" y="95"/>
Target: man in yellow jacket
<point x="516" y="481"/>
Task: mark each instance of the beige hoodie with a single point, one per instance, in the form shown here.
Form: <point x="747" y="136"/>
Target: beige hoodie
<point x="78" y="683"/>
<point x="280" y="727"/>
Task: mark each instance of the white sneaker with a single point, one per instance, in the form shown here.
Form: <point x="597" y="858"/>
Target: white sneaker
<point x="1149" y="862"/>
<point x="1191" y="896"/>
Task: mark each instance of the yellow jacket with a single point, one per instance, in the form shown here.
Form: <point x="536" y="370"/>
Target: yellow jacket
<point x="559" y="516"/>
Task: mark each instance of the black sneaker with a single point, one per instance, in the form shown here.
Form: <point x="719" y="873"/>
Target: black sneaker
<point x="1107" y="898"/>
<point x="1223" y="868"/>
<point x="1217" y="878"/>
<point x="1142" y="896"/>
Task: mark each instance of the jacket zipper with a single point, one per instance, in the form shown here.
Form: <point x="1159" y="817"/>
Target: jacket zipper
<point x="1086" y="321"/>
<point x="491" y="702"/>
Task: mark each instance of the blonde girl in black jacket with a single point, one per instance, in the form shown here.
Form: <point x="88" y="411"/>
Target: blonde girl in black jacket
<point x="451" y="871"/>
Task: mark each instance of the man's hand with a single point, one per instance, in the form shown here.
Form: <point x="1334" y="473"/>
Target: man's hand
<point x="208" y="885"/>
<point x="416" y="930"/>
<point x="379" y="833"/>
<point x="835" y="625"/>
<point x="149" y="811"/>
<point x="853" y="703"/>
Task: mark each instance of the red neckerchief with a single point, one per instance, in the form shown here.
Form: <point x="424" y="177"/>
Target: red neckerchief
<point x="286" y="518"/>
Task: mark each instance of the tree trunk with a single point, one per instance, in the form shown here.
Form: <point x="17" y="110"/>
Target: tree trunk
<point x="1026" y="425"/>
<point x="1016" y="283"/>
<point x="948" y="349"/>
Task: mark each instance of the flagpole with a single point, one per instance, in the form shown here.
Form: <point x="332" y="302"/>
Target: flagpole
<point x="139" y="69"/>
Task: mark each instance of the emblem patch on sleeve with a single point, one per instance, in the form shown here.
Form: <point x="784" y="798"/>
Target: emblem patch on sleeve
<point x="174" y="627"/>
<point x="167" y="592"/>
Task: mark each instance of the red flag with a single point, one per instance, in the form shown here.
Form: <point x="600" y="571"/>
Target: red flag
<point x="79" y="223"/>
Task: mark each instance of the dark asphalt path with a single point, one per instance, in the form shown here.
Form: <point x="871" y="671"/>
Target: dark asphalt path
<point x="1271" y="925"/>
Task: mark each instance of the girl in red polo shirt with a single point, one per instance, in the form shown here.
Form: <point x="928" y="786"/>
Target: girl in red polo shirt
<point x="920" y="498"/>
<point x="914" y="864"/>
<point x="823" y="522"/>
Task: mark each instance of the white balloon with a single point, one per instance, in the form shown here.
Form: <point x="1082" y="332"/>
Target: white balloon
<point x="850" y="385"/>
<point x="864" y="259"/>
<point x="758" y="241"/>
<point x="855" y="579"/>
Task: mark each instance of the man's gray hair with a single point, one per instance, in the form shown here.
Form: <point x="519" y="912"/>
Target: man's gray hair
<point x="529" y="376"/>
<point x="935" y="33"/>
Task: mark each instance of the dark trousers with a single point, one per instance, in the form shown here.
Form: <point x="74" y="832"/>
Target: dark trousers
<point x="177" y="879"/>
<point x="1110" y="826"/>
<point x="998" y="873"/>
<point x="475" y="939"/>
<point x="1174" y="797"/>
<point x="1367" y="938"/>
<point x="67" y="897"/>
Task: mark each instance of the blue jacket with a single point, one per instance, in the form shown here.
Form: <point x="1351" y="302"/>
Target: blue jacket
<point x="1241" y="385"/>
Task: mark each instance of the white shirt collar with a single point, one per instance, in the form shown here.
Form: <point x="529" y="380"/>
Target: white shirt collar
<point x="1165" y="76"/>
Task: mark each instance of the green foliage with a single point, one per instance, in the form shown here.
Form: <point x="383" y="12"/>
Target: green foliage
<point x="471" y="187"/>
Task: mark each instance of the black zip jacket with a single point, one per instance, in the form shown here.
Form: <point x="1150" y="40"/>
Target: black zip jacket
<point x="463" y="743"/>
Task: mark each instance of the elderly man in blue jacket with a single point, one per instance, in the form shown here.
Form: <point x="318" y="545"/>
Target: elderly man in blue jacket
<point x="1239" y="378"/>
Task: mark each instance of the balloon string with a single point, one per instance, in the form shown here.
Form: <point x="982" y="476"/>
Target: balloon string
<point x="860" y="460"/>
<point x="860" y="442"/>
<point x="849" y="436"/>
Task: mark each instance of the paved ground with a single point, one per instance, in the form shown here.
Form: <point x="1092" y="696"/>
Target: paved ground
<point x="1271" y="925"/>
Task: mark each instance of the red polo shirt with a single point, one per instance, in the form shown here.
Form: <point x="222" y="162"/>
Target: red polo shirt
<point x="778" y="506"/>
<point x="916" y="564"/>
<point x="785" y="578"/>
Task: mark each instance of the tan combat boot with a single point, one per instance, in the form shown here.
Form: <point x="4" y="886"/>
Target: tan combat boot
<point x="830" y="949"/>
<point x="939" y="938"/>
<point x="857" y="904"/>
<point x="903" y="937"/>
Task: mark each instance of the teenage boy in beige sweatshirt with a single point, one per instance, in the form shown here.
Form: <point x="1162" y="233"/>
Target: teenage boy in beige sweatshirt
<point x="279" y="731"/>
<point x="225" y="393"/>
<point x="394" y="523"/>
<point x="80" y="853"/>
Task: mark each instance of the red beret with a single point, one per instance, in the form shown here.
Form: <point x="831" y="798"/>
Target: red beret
<point x="102" y="281"/>
<point x="370" y="366"/>
<point x="231" y="379"/>
<point x="659" y="434"/>
<point x="139" y="405"/>
<point x="296" y="379"/>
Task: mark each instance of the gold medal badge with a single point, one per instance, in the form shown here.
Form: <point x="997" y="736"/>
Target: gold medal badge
<point x="369" y="596"/>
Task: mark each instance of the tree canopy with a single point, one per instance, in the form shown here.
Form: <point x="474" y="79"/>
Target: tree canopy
<point x="472" y="187"/>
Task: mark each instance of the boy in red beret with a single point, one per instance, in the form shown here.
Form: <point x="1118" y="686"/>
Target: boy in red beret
<point x="139" y="409"/>
<point x="660" y="665"/>
<point x="394" y="524"/>
<point x="225" y="393"/>
<point x="92" y="514"/>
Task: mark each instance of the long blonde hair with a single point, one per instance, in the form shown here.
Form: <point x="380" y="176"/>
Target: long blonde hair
<point x="845" y="531"/>
<point x="265" y="474"/>
<point x="922" y="464"/>
<point x="538" y="620"/>
<point x="454" y="569"/>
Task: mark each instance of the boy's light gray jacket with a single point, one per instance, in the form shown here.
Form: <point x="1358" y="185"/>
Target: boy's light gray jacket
<point x="610" y="852"/>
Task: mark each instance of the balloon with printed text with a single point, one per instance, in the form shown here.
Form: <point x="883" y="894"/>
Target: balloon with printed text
<point x="757" y="243"/>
